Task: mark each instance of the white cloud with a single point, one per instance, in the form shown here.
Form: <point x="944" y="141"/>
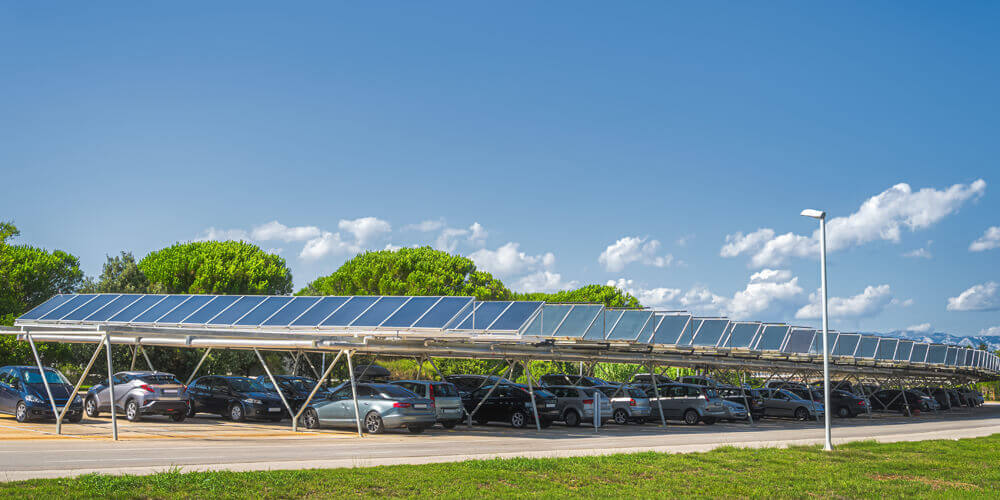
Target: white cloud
<point x="991" y="331"/>
<point x="275" y="230"/>
<point x="326" y="244"/>
<point x="651" y="297"/>
<point x="633" y="249"/>
<point x="921" y="328"/>
<point x="982" y="297"/>
<point x="477" y="233"/>
<point x="509" y="260"/>
<point x="699" y="299"/>
<point x="213" y="234"/>
<point x="769" y="290"/>
<point x="447" y="240"/>
<point x="870" y="302"/>
<point x="881" y="217"/>
<point x="684" y="240"/>
<point x="544" y="281"/>
<point x="988" y="241"/>
<point x="366" y="230"/>
<point x="901" y="302"/>
<point x="920" y="253"/>
<point x="426" y="226"/>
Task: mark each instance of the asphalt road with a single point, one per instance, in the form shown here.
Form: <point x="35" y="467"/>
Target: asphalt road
<point x="32" y="450"/>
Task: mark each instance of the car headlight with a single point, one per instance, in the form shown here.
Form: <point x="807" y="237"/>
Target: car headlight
<point x="252" y="401"/>
<point x="31" y="398"/>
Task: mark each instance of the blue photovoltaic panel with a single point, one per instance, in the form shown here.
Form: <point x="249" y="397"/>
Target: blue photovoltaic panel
<point x="903" y="350"/>
<point x="950" y="360"/>
<point x="136" y="308"/>
<point x="866" y="347"/>
<point x="237" y="310"/>
<point x="112" y="308"/>
<point x="600" y="327"/>
<point x="46" y="307"/>
<point x="515" y="316"/>
<point x="886" y="349"/>
<point x="319" y="311"/>
<point x="630" y="325"/>
<point x="90" y="307"/>
<point x="936" y="354"/>
<point x="293" y="310"/>
<point x="380" y="311"/>
<point x="174" y="308"/>
<point x="710" y="332"/>
<point x="270" y="306"/>
<point x="847" y="343"/>
<point x="670" y="327"/>
<point x="646" y="335"/>
<point x="817" y="345"/>
<point x="919" y="353"/>
<point x="68" y="306"/>
<point x="349" y="311"/>
<point x="547" y="320"/>
<point x="688" y="332"/>
<point x="799" y="341"/>
<point x="484" y="314"/>
<point x="579" y="320"/>
<point x="771" y="338"/>
<point x="409" y="313"/>
<point x="742" y="334"/>
<point x="444" y="312"/>
<point x="215" y="306"/>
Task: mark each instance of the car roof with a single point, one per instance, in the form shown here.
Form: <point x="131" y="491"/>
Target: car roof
<point x="29" y="367"/>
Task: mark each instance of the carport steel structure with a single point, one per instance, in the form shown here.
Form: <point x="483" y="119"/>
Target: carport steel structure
<point x="461" y="327"/>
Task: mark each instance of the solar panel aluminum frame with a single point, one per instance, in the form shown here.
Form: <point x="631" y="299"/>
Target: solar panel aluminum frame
<point x="607" y="334"/>
<point x="56" y="321"/>
<point x="694" y="336"/>
<point x="753" y="337"/>
<point x="663" y="317"/>
<point x="763" y="330"/>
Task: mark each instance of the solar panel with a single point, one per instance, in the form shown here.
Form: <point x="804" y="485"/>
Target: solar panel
<point x="670" y="328"/>
<point x="172" y="309"/>
<point x="741" y="335"/>
<point x="68" y="307"/>
<point x="710" y="333"/>
<point x="379" y="311"/>
<point x="263" y="311"/>
<point x="136" y="308"/>
<point x="817" y="343"/>
<point x="936" y="354"/>
<point x="514" y="317"/>
<point x="349" y="311"/>
<point x="579" y="319"/>
<point x="318" y="311"/>
<point x="443" y="313"/>
<point x="113" y="307"/>
<point x="847" y="344"/>
<point x="548" y="319"/>
<point x="919" y="353"/>
<point x="886" y="349"/>
<point x="90" y="307"/>
<point x="604" y="322"/>
<point x="236" y="311"/>
<point x="292" y="310"/>
<point x="630" y="325"/>
<point x="46" y="307"/>
<point x="205" y="313"/>
<point x="949" y="360"/>
<point x="688" y="333"/>
<point x="771" y="338"/>
<point x="799" y="341"/>
<point x="867" y="347"/>
<point x="903" y="350"/>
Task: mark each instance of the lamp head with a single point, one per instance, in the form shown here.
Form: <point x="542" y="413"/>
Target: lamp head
<point x="815" y="214"/>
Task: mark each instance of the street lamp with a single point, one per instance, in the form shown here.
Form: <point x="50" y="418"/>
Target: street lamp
<point x="816" y="214"/>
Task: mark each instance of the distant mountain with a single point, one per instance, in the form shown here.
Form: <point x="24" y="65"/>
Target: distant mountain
<point x="946" y="338"/>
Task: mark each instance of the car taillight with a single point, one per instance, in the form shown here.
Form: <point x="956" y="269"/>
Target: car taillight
<point x="401" y="405"/>
<point x="861" y="403"/>
<point x="146" y="387"/>
<point x="432" y="392"/>
<point x="631" y="402"/>
<point x="588" y="401"/>
<point x="704" y="395"/>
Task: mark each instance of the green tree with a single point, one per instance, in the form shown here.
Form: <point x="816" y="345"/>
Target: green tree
<point x="223" y="267"/>
<point x="595" y="294"/>
<point x="121" y="274"/>
<point x="409" y="271"/>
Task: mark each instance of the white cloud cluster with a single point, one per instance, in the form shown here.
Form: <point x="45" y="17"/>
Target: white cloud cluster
<point x="983" y="297"/>
<point x="366" y="230"/>
<point x="532" y="273"/>
<point x="633" y="249"/>
<point x="880" y="218"/>
<point x="214" y="234"/>
<point x="449" y="237"/>
<point x="868" y="303"/>
<point x="275" y="230"/>
<point x="988" y="241"/>
<point x="991" y="331"/>
<point x="921" y="328"/>
<point x="920" y="253"/>
<point x="649" y="297"/>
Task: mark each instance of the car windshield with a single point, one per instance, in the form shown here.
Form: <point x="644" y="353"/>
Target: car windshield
<point x="246" y="385"/>
<point x="395" y="392"/>
<point x="31" y="376"/>
<point x="160" y="378"/>
<point x="637" y="393"/>
<point x="792" y="395"/>
<point x="445" y="390"/>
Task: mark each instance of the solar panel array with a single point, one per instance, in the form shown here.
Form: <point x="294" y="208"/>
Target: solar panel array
<point x="591" y="322"/>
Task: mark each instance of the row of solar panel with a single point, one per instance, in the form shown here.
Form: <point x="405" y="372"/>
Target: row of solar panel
<point x="594" y="322"/>
<point x="283" y="311"/>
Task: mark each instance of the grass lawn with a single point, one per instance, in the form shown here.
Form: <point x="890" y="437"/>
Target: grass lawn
<point x="942" y="469"/>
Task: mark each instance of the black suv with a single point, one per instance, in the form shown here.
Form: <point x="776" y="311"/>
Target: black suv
<point x="295" y="389"/>
<point x="237" y="398"/>
<point x="742" y="396"/>
<point x="470" y="383"/>
<point x="511" y="403"/>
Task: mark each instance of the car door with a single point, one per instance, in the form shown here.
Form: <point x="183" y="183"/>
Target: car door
<point x="196" y="394"/>
<point x="122" y="388"/>
<point x="6" y="391"/>
<point x="218" y="395"/>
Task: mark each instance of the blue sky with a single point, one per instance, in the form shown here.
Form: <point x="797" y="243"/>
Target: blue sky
<point x="667" y="148"/>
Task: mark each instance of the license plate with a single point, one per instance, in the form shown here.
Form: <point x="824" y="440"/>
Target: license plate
<point x="170" y="392"/>
<point x="550" y="405"/>
<point x="420" y="405"/>
<point x="274" y="410"/>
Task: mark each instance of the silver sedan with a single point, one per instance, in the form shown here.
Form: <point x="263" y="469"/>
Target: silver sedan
<point x="380" y="406"/>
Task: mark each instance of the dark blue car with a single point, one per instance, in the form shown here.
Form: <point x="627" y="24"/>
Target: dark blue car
<point x="22" y="394"/>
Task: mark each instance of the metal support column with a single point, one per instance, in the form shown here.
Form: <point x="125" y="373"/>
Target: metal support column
<point x="531" y="392"/>
<point x="319" y="383"/>
<point x="510" y="368"/>
<point x="76" y="389"/>
<point x="135" y="354"/>
<point x="45" y="381"/>
<point x="277" y="388"/>
<point x="354" y="393"/>
<point x="148" y="362"/>
<point x="198" y="366"/>
<point x="111" y="387"/>
<point x="656" y="392"/>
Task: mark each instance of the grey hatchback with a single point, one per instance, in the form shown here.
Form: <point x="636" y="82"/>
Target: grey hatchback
<point x="629" y="404"/>
<point x="140" y="393"/>
<point x="447" y="401"/>
<point x="576" y="404"/>
<point x="380" y="406"/>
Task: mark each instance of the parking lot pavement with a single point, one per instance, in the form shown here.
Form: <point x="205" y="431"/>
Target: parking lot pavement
<point x="154" y="444"/>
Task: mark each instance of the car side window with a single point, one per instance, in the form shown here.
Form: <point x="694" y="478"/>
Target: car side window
<point x="218" y="384"/>
<point x="14" y="380"/>
<point x="5" y="376"/>
<point x="677" y="391"/>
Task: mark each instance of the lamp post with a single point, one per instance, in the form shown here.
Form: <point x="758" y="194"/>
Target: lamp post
<point x="816" y="214"/>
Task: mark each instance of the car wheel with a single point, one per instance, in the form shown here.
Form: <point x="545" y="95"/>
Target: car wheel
<point x="691" y="417"/>
<point x="843" y="412"/>
<point x="76" y="418"/>
<point x="416" y="429"/>
<point x="132" y="410"/>
<point x="21" y="413"/>
<point x="709" y="420"/>
<point x="374" y="424"/>
<point x="178" y="417"/>
<point x="236" y="412"/>
<point x="449" y="424"/>
<point x="621" y="417"/>
<point x="518" y="419"/>
<point x="91" y="408"/>
<point x="311" y="419"/>
<point x="801" y="413"/>
<point x="572" y="418"/>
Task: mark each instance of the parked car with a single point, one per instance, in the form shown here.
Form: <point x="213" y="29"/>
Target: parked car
<point x="380" y="406"/>
<point x="699" y="380"/>
<point x="645" y="378"/>
<point x="736" y="412"/>
<point x="897" y="400"/>
<point x="743" y="397"/>
<point x="629" y="404"/>
<point x="511" y="403"/>
<point x="447" y="400"/>
<point x="236" y="398"/>
<point x="973" y="398"/>
<point x="296" y="389"/>
<point x="940" y="395"/>
<point x="576" y="405"/>
<point x="22" y="394"/>
<point x="139" y="393"/>
<point x="372" y="373"/>
<point x="784" y="403"/>
<point x="839" y="385"/>
<point x="564" y="379"/>
<point x="470" y="383"/>
<point x="690" y="403"/>
<point x="927" y="403"/>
